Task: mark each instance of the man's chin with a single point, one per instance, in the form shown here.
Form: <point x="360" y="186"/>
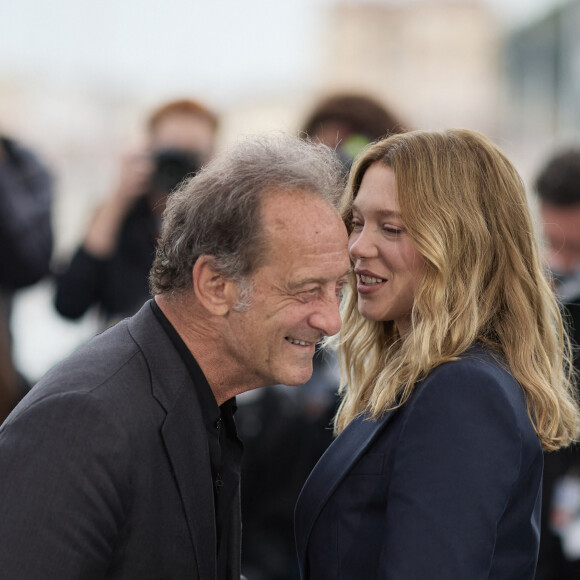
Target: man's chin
<point x="296" y="379"/>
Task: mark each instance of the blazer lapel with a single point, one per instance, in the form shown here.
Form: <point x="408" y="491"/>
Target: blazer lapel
<point x="183" y="433"/>
<point x="185" y="440"/>
<point x="330" y="470"/>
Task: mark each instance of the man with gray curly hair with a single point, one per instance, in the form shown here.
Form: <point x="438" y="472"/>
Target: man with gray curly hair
<point x="124" y="461"/>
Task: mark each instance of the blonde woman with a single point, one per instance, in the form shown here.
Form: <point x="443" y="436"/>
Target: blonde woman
<point x="456" y="373"/>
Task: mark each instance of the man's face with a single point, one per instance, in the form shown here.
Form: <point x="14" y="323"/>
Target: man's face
<point x="561" y="226"/>
<point x="295" y="295"/>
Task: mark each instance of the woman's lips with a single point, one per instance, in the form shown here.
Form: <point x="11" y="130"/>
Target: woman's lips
<point x="367" y="282"/>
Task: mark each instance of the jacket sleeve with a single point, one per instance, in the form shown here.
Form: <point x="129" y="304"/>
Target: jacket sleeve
<point x="457" y="461"/>
<point x="79" y="286"/>
<point x="26" y="240"/>
<point x="63" y="489"/>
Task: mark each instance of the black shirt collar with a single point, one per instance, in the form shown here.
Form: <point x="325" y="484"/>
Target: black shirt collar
<point x="209" y="407"/>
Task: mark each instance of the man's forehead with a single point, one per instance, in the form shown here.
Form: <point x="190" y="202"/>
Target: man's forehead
<point x="296" y="261"/>
<point x="310" y="252"/>
<point x="276" y="201"/>
<point x="298" y="214"/>
<point x="302" y="231"/>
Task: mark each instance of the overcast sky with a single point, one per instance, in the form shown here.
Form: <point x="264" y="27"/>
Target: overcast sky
<point x="213" y="47"/>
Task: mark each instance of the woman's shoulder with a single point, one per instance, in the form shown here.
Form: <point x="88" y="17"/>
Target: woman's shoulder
<point x="477" y="364"/>
<point x="475" y="401"/>
<point x="478" y="381"/>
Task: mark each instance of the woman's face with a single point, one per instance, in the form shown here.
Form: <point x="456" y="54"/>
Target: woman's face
<point x="388" y="267"/>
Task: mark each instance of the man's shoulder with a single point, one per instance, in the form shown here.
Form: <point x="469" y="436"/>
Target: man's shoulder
<point x="113" y="356"/>
<point x="103" y="361"/>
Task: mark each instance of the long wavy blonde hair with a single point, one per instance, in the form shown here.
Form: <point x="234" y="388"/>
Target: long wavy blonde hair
<point x="465" y="209"/>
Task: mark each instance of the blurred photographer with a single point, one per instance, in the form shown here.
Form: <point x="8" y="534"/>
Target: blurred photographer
<point x="110" y="269"/>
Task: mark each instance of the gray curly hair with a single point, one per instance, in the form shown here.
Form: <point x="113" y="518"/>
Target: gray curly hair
<point x="217" y="212"/>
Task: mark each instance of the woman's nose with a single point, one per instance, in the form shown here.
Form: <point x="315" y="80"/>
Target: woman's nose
<point x="360" y="245"/>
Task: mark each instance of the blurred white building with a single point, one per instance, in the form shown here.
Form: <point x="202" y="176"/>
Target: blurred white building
<point x="435" y="62"/>
<point x="542" y="85"/>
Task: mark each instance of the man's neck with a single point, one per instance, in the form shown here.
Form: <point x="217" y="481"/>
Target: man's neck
<point x="202" y="336"/>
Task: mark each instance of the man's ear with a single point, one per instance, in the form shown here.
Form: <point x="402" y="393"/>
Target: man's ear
<point x="216" y="293"/>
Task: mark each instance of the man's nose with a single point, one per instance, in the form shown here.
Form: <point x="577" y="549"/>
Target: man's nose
<point x="327" y="319"/>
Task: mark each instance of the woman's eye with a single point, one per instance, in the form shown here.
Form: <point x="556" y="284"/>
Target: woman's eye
<point x="392" y="230"/>
<point x="355" y="224"/>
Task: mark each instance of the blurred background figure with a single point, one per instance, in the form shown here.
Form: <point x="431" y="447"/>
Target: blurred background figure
<point x="285" y="431"/>
<point x="26" y="241"/>
<point x="349" y="122"/>
<point x="10" y="385"/>
<point x="110" y="269"/>
<point x="558" y="191"/>
<point x="282" y="444"/>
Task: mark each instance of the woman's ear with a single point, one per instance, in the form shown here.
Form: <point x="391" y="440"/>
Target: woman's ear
<point x="215" y="292"/>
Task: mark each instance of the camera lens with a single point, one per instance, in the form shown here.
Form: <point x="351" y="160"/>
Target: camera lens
<point x="171" y="168"/>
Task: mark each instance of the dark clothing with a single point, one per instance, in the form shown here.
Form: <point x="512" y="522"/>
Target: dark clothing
<point x="225" y="448"/>
<point x="26" y="194"/>
<point x="281" y="446"/>
<point x="274" y="471"/>
<point x="553" y="563"/>
<point x="118" y="286"/>
<point x="105" y="469"/>
<point x="445" y="487"/>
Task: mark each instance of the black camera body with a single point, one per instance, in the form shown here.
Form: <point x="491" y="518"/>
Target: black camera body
<point x="171" y="167"/>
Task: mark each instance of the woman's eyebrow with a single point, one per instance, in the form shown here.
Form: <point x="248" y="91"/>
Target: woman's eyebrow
<point x="381" y="212"/>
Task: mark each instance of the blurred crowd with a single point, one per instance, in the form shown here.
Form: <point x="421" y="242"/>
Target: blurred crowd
<point x="284" y="430"/>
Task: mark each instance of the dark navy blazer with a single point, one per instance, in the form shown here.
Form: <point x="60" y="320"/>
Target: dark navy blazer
<point x="447" y="487"/>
